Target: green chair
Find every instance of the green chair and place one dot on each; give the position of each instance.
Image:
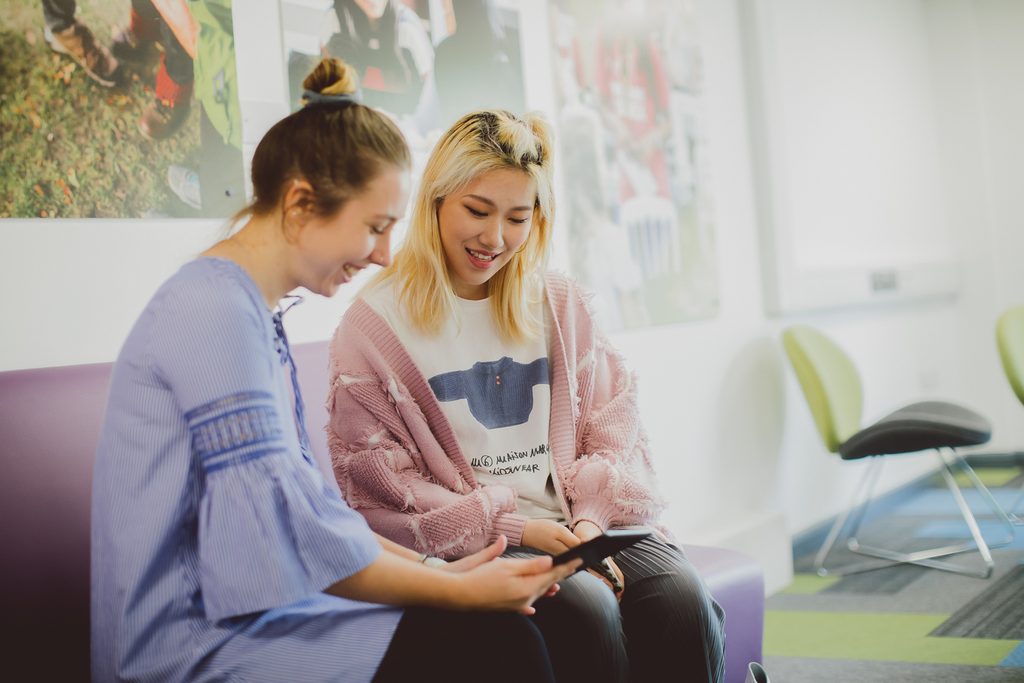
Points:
(1010, 340)
(832, 387)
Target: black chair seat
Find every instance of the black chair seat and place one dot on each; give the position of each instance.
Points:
(918, 427)
(832, 388)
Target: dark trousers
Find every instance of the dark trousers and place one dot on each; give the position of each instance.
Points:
(666, 628)
(59, 14)
(465, 647)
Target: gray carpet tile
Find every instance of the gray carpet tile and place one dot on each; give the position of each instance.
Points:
(895, 532)
(998, 612)
(880, 581)
(807, 670)
(992, 608)
(932, 592)
(944, 593)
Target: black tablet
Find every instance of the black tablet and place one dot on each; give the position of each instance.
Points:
(605, 545)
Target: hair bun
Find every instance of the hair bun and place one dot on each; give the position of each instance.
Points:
(332, 77)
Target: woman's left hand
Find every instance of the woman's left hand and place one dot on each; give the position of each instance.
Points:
(586, 530)
(478, 558)
(464, 564)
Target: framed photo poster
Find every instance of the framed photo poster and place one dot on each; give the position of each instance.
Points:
(425, 63)
(635, 196)
(119, 109)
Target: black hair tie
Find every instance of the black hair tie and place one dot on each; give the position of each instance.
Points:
(311, 97)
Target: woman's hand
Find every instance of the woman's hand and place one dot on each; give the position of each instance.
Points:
(586, 530)
(478, 558)
(481, 581)
(548, 536)
(511, 584)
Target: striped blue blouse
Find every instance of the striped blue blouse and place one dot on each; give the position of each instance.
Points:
(213, 533)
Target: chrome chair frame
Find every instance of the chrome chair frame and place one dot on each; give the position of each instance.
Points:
(924, 558)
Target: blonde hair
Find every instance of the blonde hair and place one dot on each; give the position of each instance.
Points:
(479, 142)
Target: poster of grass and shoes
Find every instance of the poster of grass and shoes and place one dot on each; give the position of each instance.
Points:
(119, 109)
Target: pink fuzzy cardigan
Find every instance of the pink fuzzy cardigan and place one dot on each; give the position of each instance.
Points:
(398, 462)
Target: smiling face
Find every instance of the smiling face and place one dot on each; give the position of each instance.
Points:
(332, 249)
(482, 225)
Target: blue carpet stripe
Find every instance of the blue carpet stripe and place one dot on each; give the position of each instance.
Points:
(992, 530)
(1015, 658)
(940, 502)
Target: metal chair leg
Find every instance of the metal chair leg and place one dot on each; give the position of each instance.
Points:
(1016, 518)
(1009, 519)
(926, 558)
(859, 503)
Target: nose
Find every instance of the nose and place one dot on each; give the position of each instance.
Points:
(493, 237)
(381, 254)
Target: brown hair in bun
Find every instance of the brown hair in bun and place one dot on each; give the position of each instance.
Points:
(337, 146)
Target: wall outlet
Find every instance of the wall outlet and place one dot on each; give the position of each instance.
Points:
(884, 280)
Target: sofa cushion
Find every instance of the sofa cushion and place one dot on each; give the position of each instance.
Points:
(49, 426)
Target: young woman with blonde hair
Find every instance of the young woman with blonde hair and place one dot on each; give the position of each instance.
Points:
(219, 552)
(473, 397)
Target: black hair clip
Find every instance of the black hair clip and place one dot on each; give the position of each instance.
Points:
(311, 97)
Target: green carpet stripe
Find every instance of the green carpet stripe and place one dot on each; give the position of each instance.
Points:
(809, 584)
(990, 476)
(879, 637)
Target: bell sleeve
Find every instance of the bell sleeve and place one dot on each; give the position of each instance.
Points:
(270, 530)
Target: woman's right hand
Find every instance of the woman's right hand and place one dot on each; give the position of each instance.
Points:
(478, 582)
(548, 536)
(511, 584)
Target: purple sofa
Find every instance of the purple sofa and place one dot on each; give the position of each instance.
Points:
(49, 425)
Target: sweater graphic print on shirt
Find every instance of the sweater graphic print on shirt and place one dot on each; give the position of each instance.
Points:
(496, 395)
(415, 484)
(500, 392)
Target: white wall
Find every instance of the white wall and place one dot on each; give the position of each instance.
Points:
(981, 104)
(734, 442)
(846, 153)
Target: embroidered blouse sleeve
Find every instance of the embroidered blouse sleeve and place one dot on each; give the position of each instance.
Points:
(271, 531)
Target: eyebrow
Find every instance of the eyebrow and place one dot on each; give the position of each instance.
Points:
(487, 201)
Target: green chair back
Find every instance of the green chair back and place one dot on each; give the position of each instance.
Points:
(1010, 339)
(829, 381)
